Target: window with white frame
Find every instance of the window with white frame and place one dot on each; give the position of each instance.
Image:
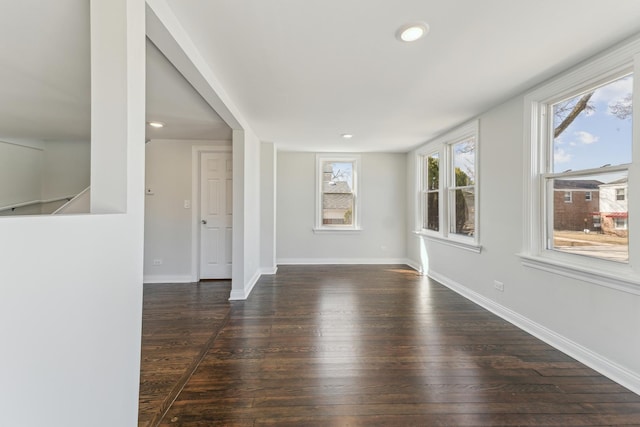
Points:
(568, 197)
(579, 133)
(448, 187)
(621, 223)
(337, 206)
(431, 191)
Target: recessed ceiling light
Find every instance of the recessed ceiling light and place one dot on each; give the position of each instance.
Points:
(412, 32)
(347, 135)
(156, 124)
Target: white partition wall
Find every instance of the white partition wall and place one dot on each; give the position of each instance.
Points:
(71, 286)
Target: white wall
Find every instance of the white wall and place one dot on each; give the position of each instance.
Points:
(246, 213)
(71, 286)
(42, 171)
(164, 30)
(168, 225)
(596, 324)
(268, 167)
(20, 173)
(383, 213)
(66, 168)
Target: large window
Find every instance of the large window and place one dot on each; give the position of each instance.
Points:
(447, 196)
(580, 141)
(590, 148)
(337, 192)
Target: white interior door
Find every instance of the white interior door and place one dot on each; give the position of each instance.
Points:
(215, 215)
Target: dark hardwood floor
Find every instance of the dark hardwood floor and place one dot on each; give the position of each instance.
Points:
(179, 324)
(360, 346)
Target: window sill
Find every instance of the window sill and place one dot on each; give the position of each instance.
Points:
(468, 246)
(622, 280)
(336, 230)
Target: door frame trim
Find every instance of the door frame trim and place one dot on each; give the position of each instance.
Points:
(196, 154)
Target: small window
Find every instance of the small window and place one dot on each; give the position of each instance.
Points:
(587, 196)
(619, 193)
(596, 222)
(431, 191)
(620, 223)
(337, 185)
(567, 197)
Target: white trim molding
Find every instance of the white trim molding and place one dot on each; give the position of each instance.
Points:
(241, 295)
(415, 265)
(268, 271)
(196, 152)
(629, 283)
(450, 241)
(342, 261)
(606, 367)
(166, 278)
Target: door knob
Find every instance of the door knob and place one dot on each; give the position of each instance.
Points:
(204, 221)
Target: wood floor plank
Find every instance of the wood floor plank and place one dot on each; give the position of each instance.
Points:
(370, 346)
(179, 321)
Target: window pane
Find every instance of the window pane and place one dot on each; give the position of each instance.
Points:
(567, 197)
(594, 129)
(337, 193)
(433, 172)
(464, 162)
(592, 226)
(463, 211)
(432, 218)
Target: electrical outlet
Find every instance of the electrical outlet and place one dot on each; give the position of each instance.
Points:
(498, 285)
(157, 262)
(187, 204)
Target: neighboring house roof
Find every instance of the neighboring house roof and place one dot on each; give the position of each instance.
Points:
(337, 201)
(624, 180)
(337, 195)
(576, 184)
(336, 187)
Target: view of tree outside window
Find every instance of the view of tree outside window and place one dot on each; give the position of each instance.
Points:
(462, 192)
(591, 151)
(431, 192)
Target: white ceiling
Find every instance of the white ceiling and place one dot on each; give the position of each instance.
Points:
(174, 102)
(304, 72)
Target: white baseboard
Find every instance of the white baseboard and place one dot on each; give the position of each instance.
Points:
(606, 367)
(415, 265)
(167, 279)
(243, 294)
(346, 261)
(268, 270)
